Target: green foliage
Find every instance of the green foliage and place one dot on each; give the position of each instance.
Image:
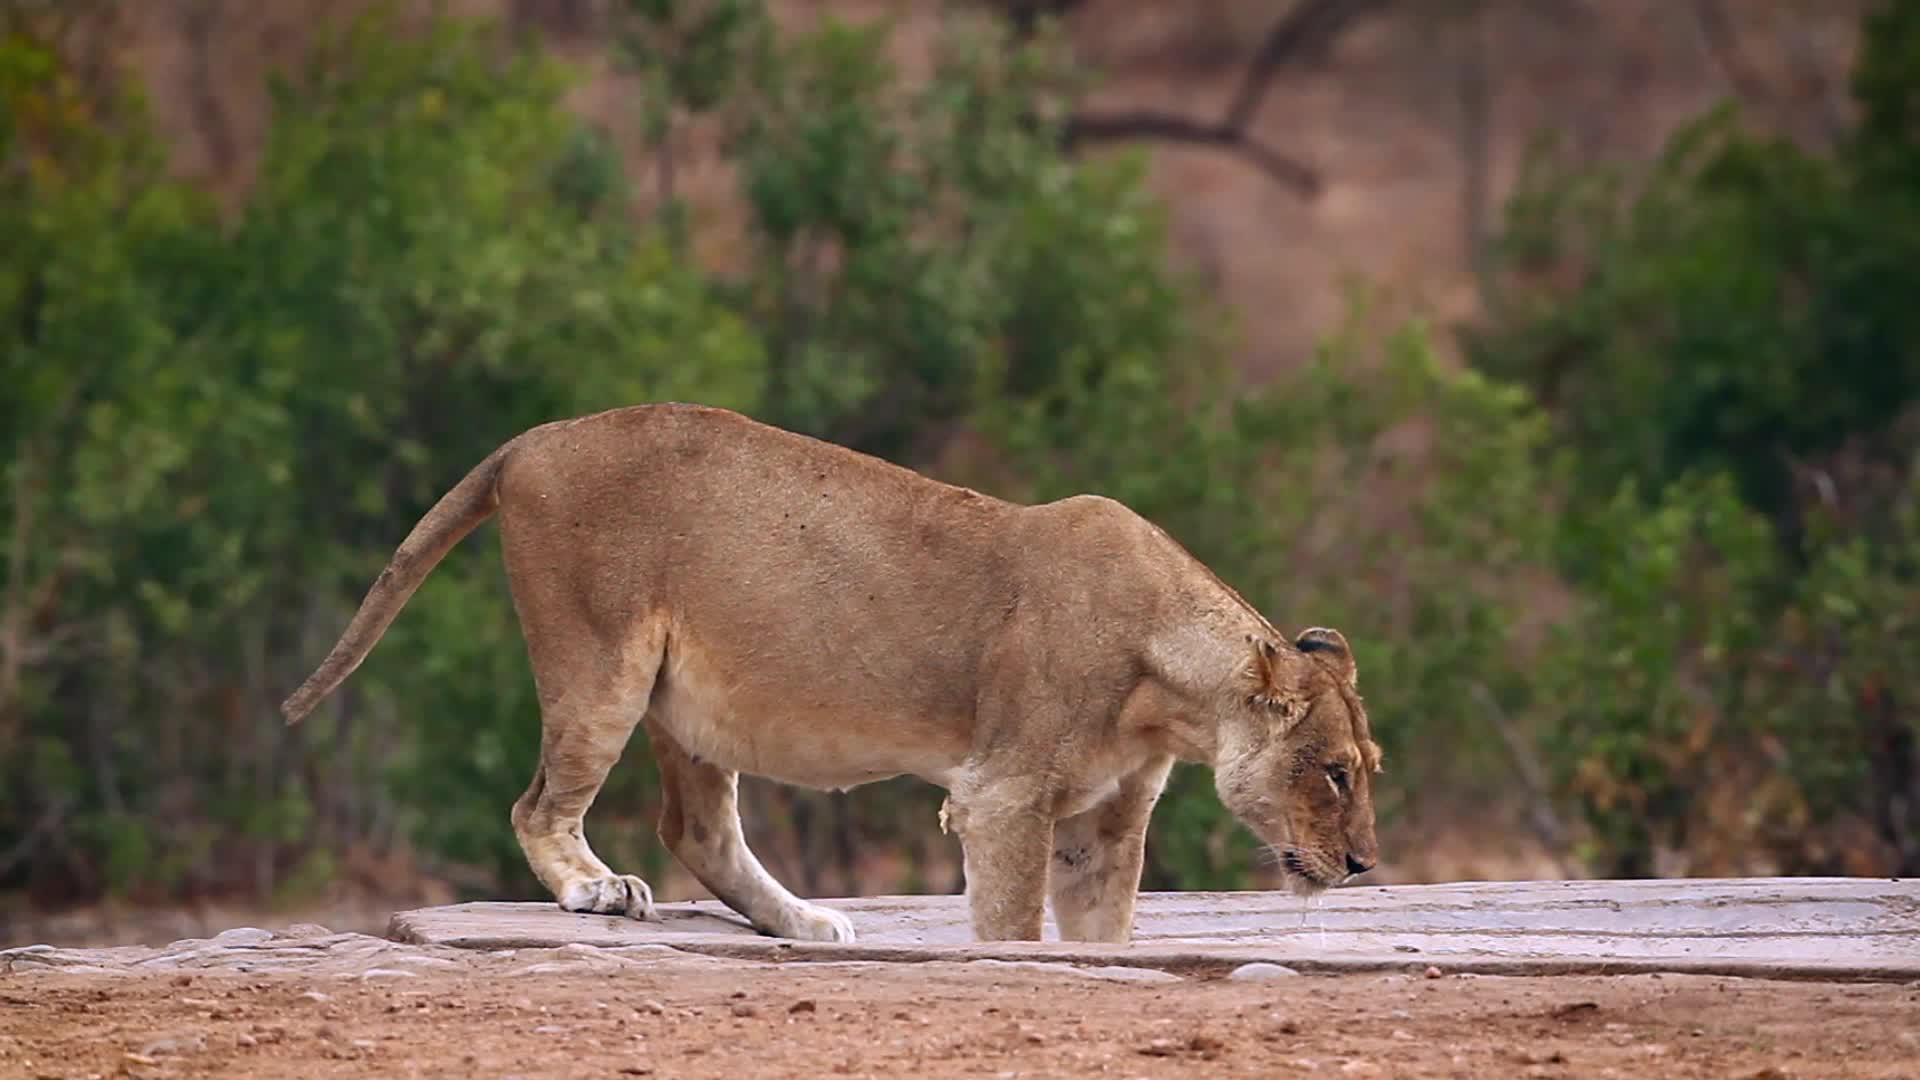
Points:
(219, 422)
(1729, 349)
(1646, 679)
(1732, 311)
(411, 281)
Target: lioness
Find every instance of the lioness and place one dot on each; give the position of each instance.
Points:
(772, 604)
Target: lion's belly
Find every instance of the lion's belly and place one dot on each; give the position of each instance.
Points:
(808, 733)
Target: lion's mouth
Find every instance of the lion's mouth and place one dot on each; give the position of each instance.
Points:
(1302, 876)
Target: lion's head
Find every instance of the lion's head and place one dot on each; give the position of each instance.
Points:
(1296, 759)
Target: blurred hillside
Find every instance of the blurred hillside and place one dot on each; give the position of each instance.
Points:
(1413, 117)
(1561, 353)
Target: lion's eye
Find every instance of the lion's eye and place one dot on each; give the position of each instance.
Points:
(1338, 774)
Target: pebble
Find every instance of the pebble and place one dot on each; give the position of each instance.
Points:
(651, 1007)
(1433, 972)
(1161, 1047)
(804, 1005)
(438, 963)
(1108, 972)
(744, 1008)
(242, 935)
(183, 1045)
(315, 995)
(1261, 971)
(553, 967)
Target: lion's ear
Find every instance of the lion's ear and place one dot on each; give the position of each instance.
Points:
(1330, 646)
(1270, 694)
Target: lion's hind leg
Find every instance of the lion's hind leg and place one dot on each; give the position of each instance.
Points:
(700, 824)
(588, 712)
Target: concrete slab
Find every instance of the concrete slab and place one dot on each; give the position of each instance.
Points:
(1824, 928)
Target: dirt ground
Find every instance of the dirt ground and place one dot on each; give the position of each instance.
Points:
(938, 1020)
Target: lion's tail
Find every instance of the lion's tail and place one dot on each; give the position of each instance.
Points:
(460, 511)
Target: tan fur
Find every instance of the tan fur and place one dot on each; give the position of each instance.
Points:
(772, 604)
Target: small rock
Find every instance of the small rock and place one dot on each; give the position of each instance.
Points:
(1161, 1047)
(242, 935)
(1399, 1014)
(1261, 971)
(244, 1039)
(182, 1045)
(804, 1005)
(651, 1007)
(1358, 1067)
(743, 1008)
(439, 963)
(389, 973)
(1769, 1073)
(1032, 1036)
(1122, 973)
(552, 967)
(1402, 1034)
(902, 1014)
(315, 995)
(1432, 972)
(550, 1029)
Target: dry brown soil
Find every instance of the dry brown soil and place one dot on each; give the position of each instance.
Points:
(937, 1020)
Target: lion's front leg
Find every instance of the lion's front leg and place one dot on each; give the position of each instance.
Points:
(1097, 858)
(1005, 838)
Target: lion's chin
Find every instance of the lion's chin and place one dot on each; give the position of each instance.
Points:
(1298, 876)
(1304, 887)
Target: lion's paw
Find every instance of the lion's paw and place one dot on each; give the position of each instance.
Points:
(622, 895)
(811, 922)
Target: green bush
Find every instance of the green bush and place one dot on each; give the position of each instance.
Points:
(1686, 423)
(1729, 350)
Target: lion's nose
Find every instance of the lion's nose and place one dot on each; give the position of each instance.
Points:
(1357, 866)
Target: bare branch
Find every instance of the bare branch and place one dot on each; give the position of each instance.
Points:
(197, 21)
(1026, 14)
(1147, 124)
(1311, 24)
(1724, 43)
(1307, 26)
